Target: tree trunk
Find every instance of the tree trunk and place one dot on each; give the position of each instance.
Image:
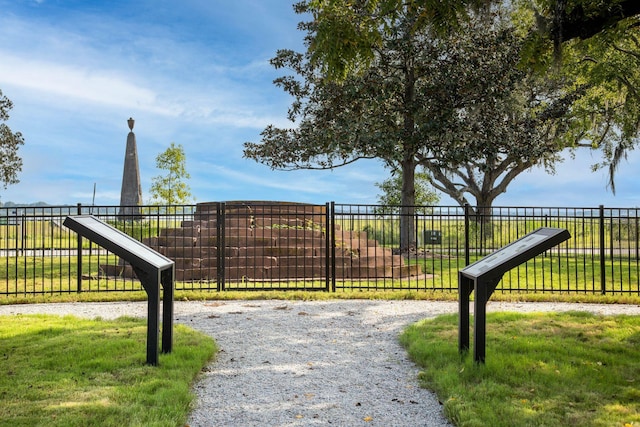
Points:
(407, 208)
(483, 218)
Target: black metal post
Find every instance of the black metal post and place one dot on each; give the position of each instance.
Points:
(327, 239)
(612, 234)
(167, 280)
(151, 284)
(637, 236)
(221, 250)
(603, 286)
(332, 244)
(467, 255)
(153, 321)
(480, 322)
(79, 256)
(465, 287)
(483, 291)
(23, 232)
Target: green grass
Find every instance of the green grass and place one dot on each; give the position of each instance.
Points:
(47, 234)
(52, 267)
(618, 232)
(66, 371)
(540, 274)
(568, 369)
(549, 274)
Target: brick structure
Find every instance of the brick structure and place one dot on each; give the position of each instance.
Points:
(272, 241)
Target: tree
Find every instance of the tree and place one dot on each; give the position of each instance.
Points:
(10, 142)
(361, 24)
(171, 189)
(455, 104)
(608, 117)
(348, 33)
(596, 42)
(392, 191)
(372, 115)
(561, 20)
(505, 119)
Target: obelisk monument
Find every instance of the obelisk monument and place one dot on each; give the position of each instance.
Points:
(131, 193)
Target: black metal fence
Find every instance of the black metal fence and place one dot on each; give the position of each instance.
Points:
(331, 247)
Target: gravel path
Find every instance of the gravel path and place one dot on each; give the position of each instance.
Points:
(296, 363)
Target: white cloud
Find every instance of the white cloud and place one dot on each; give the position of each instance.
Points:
(101, 87)
(115, 90)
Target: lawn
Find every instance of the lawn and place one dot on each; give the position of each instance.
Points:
(66, 371)
(562, 369)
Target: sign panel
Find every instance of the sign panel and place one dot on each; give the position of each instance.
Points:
(152, 268)
(116, 241)
(536, 241)
(483, 276)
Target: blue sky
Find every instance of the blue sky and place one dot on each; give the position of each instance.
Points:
(196, 73)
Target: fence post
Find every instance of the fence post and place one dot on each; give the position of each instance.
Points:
(612, 234)
(327, 247)
(158, 222)
(23, 232)
(466, 235)
(637, 237)
(332, 244)
(79, 255)
(603, 287)
(221, 252)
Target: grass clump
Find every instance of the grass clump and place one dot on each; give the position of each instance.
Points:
(66, 371)
(574, 369)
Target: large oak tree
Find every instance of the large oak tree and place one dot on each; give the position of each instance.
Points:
(598, 38)
(360, 24)
(454, 103)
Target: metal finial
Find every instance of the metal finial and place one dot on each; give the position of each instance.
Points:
(131, 123)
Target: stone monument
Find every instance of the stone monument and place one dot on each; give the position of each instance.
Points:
(131, 193)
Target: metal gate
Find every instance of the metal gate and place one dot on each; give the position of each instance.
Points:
(260, 245)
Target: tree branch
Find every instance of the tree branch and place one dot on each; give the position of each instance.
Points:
(578, 24)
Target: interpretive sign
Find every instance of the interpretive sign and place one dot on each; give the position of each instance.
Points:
(152, 269)
(484, 275)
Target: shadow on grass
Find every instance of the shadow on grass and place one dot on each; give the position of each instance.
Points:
(571, 368)
(66, 371)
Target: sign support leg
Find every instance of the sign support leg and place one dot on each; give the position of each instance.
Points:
(479, 323)
(153, 326)
(167, 310)
(465, 286)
